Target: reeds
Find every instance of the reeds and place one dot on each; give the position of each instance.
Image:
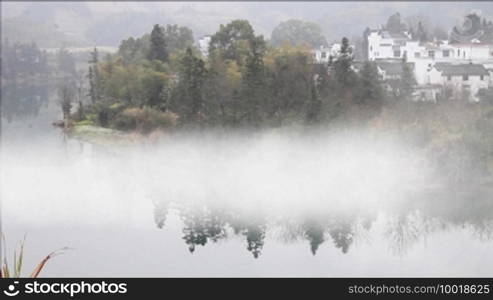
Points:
(15, 271)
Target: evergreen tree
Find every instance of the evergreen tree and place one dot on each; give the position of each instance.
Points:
(190, 100)
(421, 33)
(343, 72)
(314, 105)
(158, 49)
(370, 92)
(94, 77)
(253, 81)
(407, 81)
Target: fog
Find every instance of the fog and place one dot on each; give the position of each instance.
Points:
(370, 193)
(393, 187)
(270, 172)
(107, 23)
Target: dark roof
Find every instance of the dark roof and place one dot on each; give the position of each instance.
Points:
(462, 69)
(393, 68)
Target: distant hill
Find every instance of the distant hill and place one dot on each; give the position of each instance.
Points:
(107, 23)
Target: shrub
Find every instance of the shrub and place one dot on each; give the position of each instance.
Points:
(145, 119)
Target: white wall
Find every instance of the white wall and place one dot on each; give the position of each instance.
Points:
(472, 51)
(474, 84)
(378, 47)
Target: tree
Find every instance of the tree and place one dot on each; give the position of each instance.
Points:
(178, 38)
(314, 107)
(65, 62)
(407, 81)
(232, 40)
(421, 33)
(192, 75)
(370, 91)
(66, 95)
(158, 48)
(290, 80)
(132, 50)
(253, 83)
(94, 77)
(394, 24)
(343, 73)
(298, 33)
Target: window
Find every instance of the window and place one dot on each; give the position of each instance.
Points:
(449, 78)
(371, 48)
(481, 77)
(458, 52)
(431, 54)
(417, 54)
(446, 53)
(465, 77)
(324, 54)
(397, 53)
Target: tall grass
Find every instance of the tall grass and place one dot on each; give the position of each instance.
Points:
(15, 272)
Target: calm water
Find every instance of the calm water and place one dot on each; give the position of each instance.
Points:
(266, 205)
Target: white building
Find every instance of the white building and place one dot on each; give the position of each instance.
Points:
(383, 44)
(434, 61)
(204, 43)
(389, 70)
(460, 79)
(324, 54)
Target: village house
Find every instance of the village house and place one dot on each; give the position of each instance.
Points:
(326, 54)
(461, 67)
(391, 70)
(460, 79)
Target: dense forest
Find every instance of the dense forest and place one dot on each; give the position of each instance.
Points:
(243, 82)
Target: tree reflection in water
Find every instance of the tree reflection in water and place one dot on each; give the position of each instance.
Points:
(401, 229)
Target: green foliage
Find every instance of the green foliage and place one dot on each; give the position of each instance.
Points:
(18, 260)
(292, 86)
(370, 89)
(253, 92)
(343, 73)
(94, 77)
(66, 94)
(231, 41)
(145, 119)
(158, 48)
(188, 99)
(178, 38)
(132, 50)
(298, 33)
(407, 81)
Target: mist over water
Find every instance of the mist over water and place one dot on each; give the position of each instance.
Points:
(267, 173)
(297, 201)
(400, 189)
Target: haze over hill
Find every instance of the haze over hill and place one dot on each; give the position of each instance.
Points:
(52, 24)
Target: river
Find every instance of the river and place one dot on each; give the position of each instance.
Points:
(263, 205)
